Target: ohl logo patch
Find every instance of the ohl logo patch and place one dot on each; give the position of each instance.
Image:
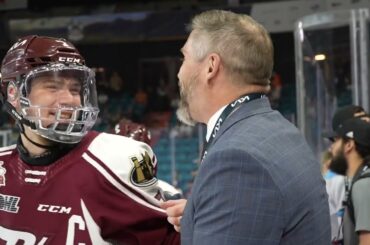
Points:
(143, 171)
(2, 174)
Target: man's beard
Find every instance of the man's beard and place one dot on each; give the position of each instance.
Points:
(186, 94)
(183, 113)
(339, 164)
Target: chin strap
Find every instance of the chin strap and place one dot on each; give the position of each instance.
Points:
(47, 147)
(21, 121)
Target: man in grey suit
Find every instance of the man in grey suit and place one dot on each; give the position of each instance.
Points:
(258, 182)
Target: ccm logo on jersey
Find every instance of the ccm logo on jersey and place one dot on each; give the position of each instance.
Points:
(9, 203)
(54, 209)
(69, 59)
(2, 174)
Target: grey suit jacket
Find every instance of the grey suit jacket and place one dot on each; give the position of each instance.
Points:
(259, 184)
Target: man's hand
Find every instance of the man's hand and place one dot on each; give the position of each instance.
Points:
(174, 210)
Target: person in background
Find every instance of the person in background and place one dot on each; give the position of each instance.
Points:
(351, 153)
(258, 181)
(276, 89)
(325, 163)
(335, 181)
(136, 131)
(62, 182)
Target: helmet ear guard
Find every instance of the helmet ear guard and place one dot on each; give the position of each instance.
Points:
(10, 108)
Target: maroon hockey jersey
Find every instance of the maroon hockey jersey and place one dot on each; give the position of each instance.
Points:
(99, 193)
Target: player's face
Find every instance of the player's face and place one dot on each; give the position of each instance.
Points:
(50, 93)
(189, 79)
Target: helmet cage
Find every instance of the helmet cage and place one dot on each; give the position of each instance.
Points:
(64, 123)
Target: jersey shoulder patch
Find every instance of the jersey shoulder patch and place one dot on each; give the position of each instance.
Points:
(132, 161)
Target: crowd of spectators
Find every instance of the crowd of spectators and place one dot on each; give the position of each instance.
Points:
(116, 100)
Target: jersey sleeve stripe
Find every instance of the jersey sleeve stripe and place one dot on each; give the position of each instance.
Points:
(121, 186)
(7, 148)
(5, 153)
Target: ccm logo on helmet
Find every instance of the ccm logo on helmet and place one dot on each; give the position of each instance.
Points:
(69, 60)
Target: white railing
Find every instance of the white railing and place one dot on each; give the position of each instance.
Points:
(5, 136)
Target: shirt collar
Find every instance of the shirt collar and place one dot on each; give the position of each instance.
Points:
(212, 122)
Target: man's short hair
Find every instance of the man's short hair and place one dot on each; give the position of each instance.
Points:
(244, 45)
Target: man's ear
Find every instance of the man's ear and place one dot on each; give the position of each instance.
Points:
(349, 146)
(213, 65)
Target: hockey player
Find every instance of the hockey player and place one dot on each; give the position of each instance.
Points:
(63, 183)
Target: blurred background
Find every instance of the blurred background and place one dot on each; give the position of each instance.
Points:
(321, 62)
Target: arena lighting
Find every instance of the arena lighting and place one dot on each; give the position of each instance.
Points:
(320, 57)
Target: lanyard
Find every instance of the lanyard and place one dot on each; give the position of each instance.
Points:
(227, 111)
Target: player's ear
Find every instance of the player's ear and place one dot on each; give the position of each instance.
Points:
(12, 94)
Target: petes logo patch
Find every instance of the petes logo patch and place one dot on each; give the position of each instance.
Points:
(143, 172)
(2, 174)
